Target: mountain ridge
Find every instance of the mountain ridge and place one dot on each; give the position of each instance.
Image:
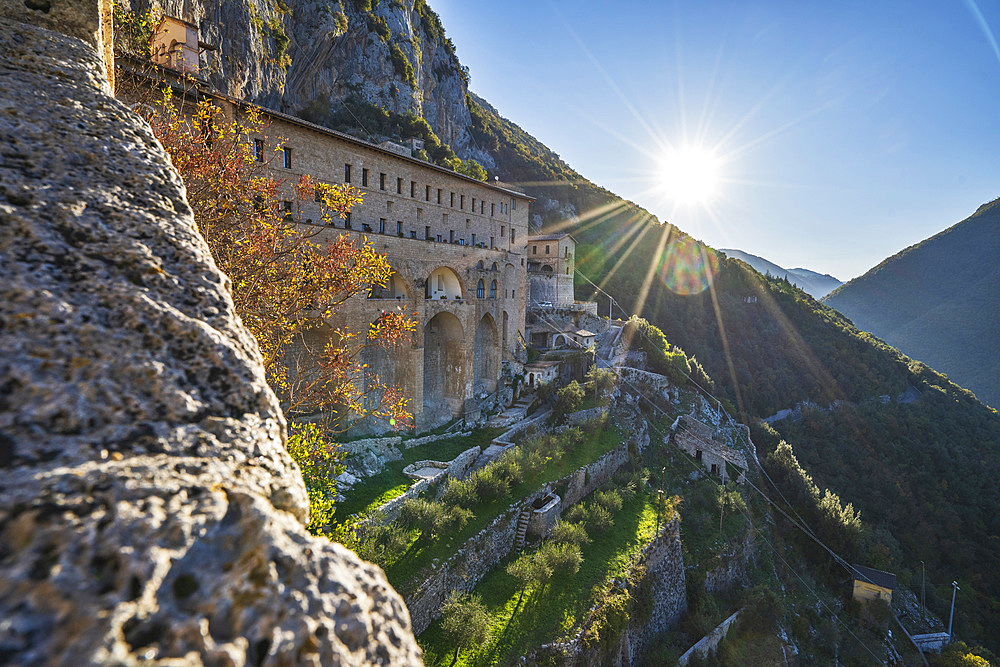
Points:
(812, 282)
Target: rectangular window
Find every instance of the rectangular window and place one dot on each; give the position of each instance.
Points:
(347, 173)
(286, 206)
(399, 186)
(534, 250)
(399, 227)
(461, 203)
(381, 181)
(452, 200)
(286, 157)
(473, 204)
(258, 150)
(347, 220)
(493, 209)
(473, 239)
(364, 177)
(413, 188)
(427, 193)
(381, 226)
(512, 230)
(413, 233)
(482, 206)
(438, 238)
(427, 232)
(451, 236)
(514, 204)
(503, 231)
(439, 195)
(493, 242)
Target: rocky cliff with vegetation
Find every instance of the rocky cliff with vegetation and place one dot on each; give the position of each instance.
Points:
(148, 509)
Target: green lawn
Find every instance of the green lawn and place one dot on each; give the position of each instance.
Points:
(558, 610)
(379, 489)
(407, 572)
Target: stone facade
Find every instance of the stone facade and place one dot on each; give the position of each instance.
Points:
(697, 440)
(456, 245)
(551, 259)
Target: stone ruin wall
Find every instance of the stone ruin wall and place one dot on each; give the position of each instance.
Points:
(148, 508)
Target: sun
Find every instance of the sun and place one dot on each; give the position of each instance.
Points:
(689, 175)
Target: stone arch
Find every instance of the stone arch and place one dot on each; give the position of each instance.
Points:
(396, 288)
(559, 340)
(531, 380)
(443, 283)
(481, 289)
(383, 367)
(546, 268)
(444, 368)
(485, 361)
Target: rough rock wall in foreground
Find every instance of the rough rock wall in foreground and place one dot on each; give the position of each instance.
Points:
(148, 509)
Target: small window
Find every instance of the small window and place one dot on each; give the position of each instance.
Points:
(427, 193)
(438, 238)
(413, 233)
(317, 195)
(399, 227)
(381, 181)
(493, 209)
(452, 200)
(399, 186)
(364, 178)
(286, 157)
(427, 232)
(347, 173)
(473, 239)
(439, 195)
(503, 230)
(451, 236)
(286, 206)
(481, 290)
(512, 235)
(461, 202)
(381, 226)
(347, 220)
(534, 250)
(473, 204)
(258, 150)
(546, 250)
(413, 189)
(493, 289)
(482, 206)
(493, 242)
(697, 455)
(514, 204)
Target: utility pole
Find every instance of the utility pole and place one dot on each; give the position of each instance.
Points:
(951, 617)
(923, 599)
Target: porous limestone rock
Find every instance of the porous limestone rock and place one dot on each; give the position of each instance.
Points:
(148, 509)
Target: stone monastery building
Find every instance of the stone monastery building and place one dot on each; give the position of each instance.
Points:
(457, 247)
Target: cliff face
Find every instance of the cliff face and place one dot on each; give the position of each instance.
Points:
(148, 508)
(293, 55)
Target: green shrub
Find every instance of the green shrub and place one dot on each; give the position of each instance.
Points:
(460, 492)
(568, 399)
(570, 533)
(610, 500)
(320, 463)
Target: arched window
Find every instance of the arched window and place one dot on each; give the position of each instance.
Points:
(493, 289)
(494, 267)
(479, 265)
(481, 289)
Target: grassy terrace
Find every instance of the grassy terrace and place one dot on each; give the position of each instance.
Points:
(412, 567)
(379, 489)
(558, 610)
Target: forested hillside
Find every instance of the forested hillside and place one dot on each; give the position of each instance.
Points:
(937, 301)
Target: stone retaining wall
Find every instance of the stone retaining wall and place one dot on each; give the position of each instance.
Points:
(733, 568)
(710, 641)
(485, 550)
(577, 418)
(664, 563)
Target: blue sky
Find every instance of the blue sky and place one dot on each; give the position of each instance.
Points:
(847, 131)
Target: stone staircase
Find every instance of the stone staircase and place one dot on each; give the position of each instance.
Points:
(514, 413)
(522, 529)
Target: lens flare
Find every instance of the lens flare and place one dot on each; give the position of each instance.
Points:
(687, 266)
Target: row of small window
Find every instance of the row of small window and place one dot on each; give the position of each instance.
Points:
(481, 290)
(534, 250)
(505, 208)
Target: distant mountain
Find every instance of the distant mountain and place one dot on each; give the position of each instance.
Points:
(939, 302)
(812, 283)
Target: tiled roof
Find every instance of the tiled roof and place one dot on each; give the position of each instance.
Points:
(549, 237)
(876, 577)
